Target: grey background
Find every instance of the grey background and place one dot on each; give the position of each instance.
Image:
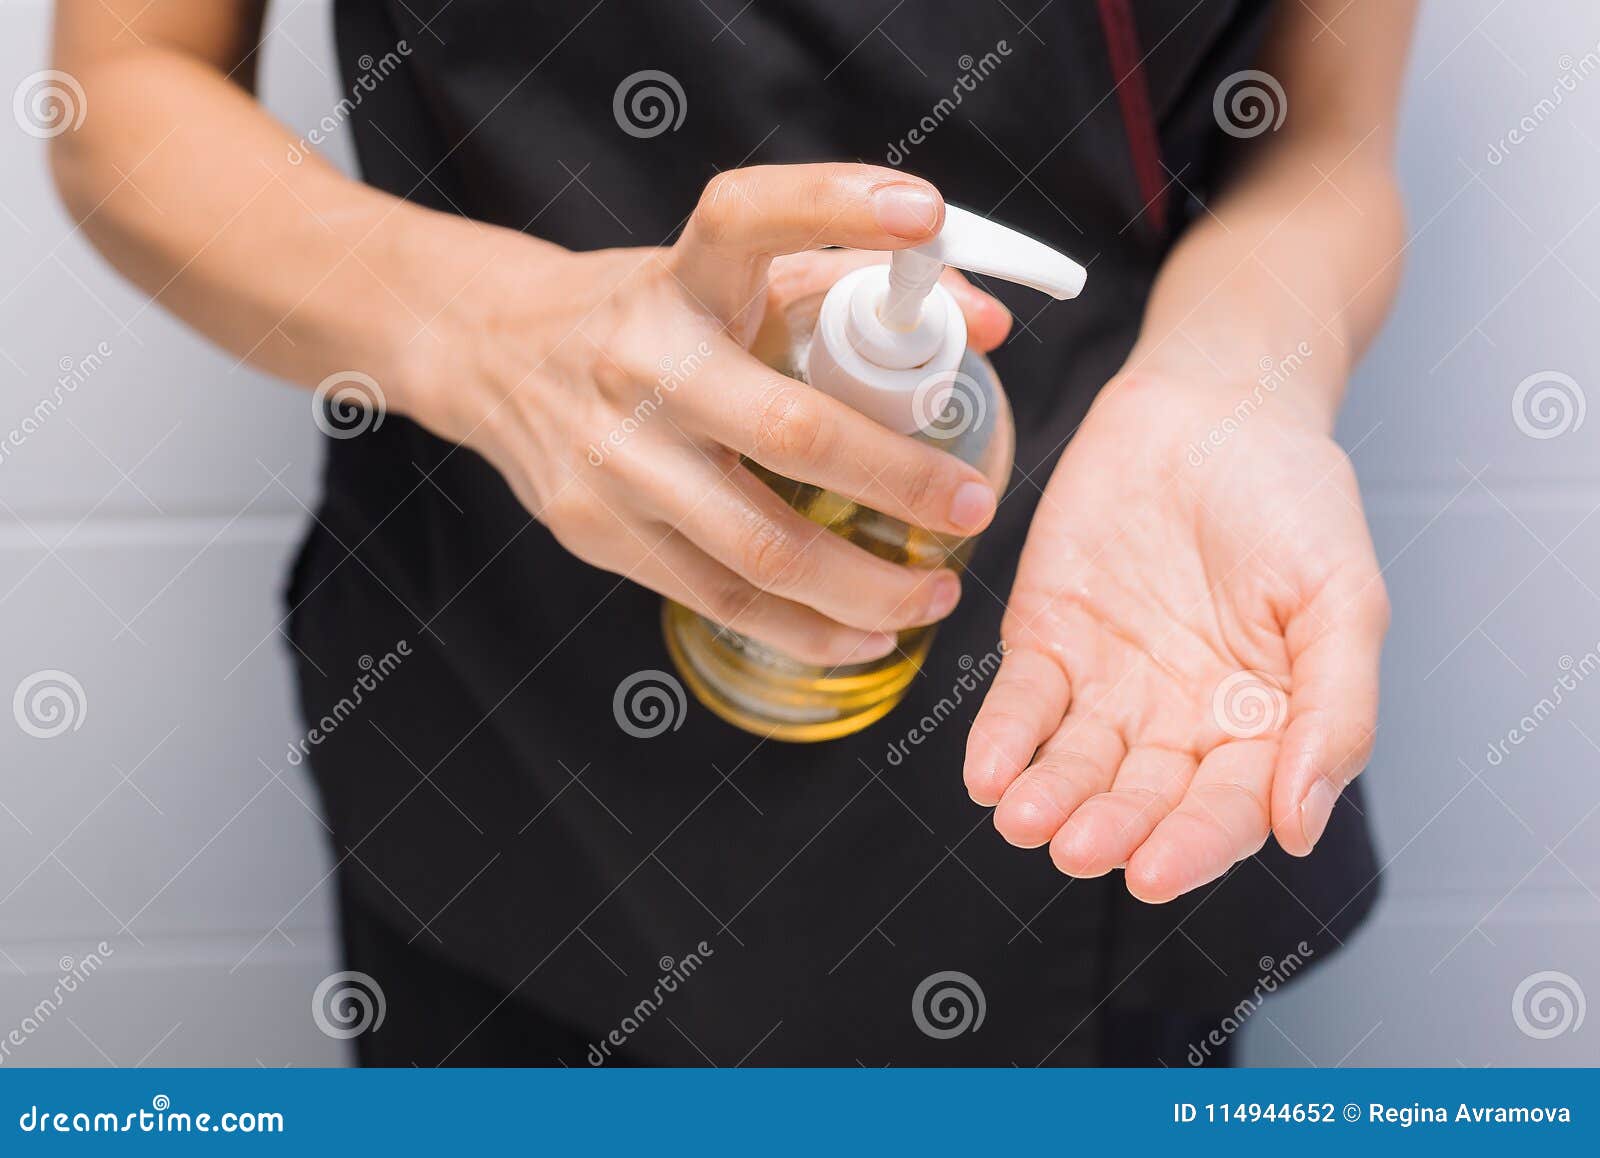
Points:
(144, 533)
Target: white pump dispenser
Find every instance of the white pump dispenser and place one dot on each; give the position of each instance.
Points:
(889, 341)
(889, 338)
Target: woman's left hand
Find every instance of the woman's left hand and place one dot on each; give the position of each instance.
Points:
(1192, 642)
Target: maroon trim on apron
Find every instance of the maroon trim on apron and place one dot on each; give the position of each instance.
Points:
(1138, 118)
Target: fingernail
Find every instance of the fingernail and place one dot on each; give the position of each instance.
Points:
(1316, 808)
(875, 646)
(946, 594)
(906, 210)
(972, 506)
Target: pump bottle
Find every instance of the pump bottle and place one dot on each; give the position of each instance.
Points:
(891, 342)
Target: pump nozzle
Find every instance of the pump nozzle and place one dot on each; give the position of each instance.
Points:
(883, 333)
(976, 245)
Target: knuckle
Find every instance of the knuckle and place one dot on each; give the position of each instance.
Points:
(731, 602)
(717, 212)
(788, 427)
(770, 558)
(923, 481)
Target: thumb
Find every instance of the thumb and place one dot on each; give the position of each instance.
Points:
(1335, 644)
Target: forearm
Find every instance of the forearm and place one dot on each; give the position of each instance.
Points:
(1297, 264)
(1301, 251)
(186, 184)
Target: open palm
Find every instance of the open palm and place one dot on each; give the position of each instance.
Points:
(1191, 645)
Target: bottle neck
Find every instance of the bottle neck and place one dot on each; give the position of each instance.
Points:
(912, 276)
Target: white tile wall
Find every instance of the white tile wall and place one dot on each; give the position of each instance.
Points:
(1492, 556)
(161, 465)
(143, 544)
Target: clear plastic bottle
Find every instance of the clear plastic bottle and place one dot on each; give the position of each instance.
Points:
(892, 343)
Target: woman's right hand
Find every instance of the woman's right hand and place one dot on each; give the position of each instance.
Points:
(615, 392)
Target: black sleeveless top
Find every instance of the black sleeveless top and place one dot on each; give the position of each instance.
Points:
(483, 795)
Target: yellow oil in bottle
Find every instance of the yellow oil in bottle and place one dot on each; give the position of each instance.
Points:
(755, 687)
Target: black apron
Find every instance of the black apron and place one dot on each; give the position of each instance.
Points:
(483, 795)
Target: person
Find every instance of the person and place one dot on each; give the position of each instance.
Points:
(563, 204)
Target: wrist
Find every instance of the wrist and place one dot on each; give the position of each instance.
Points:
(1301, 384)
(424, 265)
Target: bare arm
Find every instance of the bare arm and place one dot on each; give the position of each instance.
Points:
(531, 355)
(1196, 623)
(1306, 243)
(186, 184)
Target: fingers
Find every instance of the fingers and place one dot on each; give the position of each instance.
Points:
(798, 275)
(681, 571)
(1024, 705)
(988, 322)
(747, 216)
(746, 527)
(1333, 711)
(1223, 818)
(803, 434)
(1106, 829)
(1077, 762)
